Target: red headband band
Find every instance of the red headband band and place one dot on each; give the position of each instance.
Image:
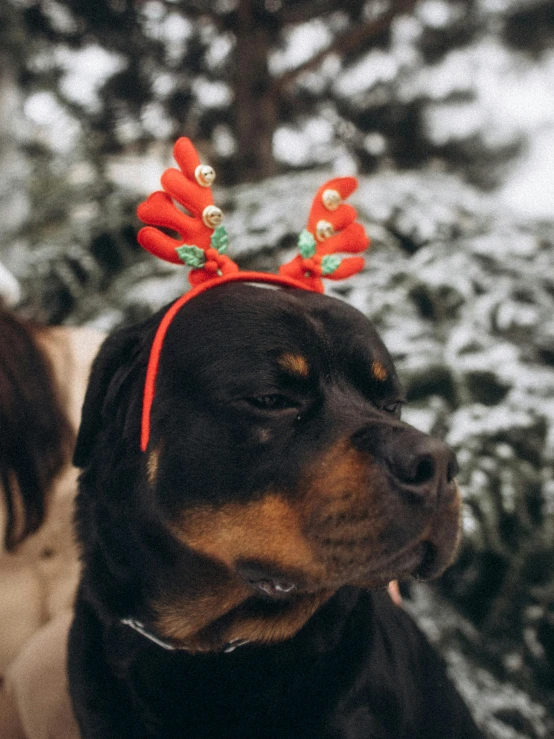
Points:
(332, 228)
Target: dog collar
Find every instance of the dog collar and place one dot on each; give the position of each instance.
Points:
(139, 627)
(202, 244)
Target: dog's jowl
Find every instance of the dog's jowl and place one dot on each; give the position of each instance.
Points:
(235, 569)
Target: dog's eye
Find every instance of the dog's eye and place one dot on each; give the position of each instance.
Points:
(393, 408)
(272, 402)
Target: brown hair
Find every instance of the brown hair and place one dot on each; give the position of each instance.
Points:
(35, 435)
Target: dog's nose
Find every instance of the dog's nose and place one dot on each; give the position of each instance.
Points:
(423, 466)
(426, 467)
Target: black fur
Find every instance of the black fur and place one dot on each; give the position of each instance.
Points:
(233, 433)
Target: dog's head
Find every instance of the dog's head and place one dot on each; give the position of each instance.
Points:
(277, 469)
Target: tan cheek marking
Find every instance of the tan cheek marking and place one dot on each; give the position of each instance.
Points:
(271, 529)
(266, 529)
(265, 629)
(296, 364)
(178, 617)
(201, 630)
(152, 464)
(341, 475)
(378, 370)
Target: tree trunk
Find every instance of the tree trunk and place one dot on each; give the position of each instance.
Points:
(255, 109)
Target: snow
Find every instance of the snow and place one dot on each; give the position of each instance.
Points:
(51, 123)
(140, 174)
(224, 141)
(168, 27)
(513, 101)
(211, 93)
(376, 66)
(219, 51)
(478, 420)
(155, 120)
(298, 146)
(435, 13)
(529, 186)
(301, 43)
(59, 16)
(85, 71)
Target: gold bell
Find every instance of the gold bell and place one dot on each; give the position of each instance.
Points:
(212, 216)
(205, 175)
(331, 199)
(323, 230)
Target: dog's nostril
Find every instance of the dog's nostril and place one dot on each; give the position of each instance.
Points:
(417, 470)
(425, 466)
(424, 471)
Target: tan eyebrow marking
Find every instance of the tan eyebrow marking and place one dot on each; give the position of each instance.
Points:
(296, 364)
(378, 370)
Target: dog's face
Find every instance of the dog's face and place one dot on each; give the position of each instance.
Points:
(280, 469)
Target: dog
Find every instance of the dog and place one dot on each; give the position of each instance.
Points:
(235, 571)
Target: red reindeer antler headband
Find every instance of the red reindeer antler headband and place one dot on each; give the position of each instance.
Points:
(331, 229)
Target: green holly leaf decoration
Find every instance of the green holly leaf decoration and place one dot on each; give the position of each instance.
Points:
(329, 264)
(306, 244)
(192, 256)
(220, 239)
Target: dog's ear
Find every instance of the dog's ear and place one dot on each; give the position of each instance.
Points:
(117, 361)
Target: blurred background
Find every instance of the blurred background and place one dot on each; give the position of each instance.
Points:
(446, 112)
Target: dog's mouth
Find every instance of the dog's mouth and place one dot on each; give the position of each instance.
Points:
(266, 584)
(419, 562)
(275, 589)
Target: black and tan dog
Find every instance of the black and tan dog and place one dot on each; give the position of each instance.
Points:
(234, 572)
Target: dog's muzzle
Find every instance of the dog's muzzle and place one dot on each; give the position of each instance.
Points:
(423, 468)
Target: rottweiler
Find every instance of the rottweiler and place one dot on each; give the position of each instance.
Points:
(235, 572)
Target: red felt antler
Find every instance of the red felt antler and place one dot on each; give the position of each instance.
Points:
(332, 228)
(203, 241)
